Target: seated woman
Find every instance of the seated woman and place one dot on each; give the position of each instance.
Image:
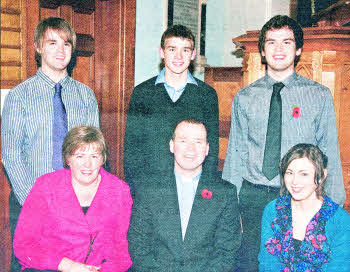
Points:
(76, 218)
(304, 230)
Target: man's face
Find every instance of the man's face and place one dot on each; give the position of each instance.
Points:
(55, 52)
(190, 147)
(280, 52)
(177, 55)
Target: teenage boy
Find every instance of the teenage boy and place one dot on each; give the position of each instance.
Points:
(186, 218)
(38, 113)
(268, 117)
(159, 103)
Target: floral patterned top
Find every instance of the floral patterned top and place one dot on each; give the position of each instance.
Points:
(314, 250)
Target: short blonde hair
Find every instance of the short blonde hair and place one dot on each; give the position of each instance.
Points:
(80, 136)
(54, 23)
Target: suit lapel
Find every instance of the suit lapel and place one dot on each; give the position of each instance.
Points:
(199, 204)
(170, 204)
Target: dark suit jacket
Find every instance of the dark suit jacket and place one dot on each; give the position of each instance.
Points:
(213, 233)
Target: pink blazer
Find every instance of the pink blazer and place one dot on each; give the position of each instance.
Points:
(52, 224)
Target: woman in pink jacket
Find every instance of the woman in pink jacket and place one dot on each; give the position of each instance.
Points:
(77, 218)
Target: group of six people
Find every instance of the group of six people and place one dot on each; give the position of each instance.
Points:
(175, 212)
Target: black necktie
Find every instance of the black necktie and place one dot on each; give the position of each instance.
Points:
(272, 154)
(60, 128)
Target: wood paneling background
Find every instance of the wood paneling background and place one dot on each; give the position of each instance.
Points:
(12, 49)
(227, 81)
(104, 62)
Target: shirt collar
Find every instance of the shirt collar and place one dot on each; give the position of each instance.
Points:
(194, 179)
(161, 78)
(288, 81)
(49, 81)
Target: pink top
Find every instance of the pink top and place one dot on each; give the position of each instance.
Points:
(52, 224)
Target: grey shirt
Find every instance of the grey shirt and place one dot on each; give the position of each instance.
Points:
(315, 124)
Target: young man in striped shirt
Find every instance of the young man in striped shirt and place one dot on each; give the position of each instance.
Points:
(29, 124)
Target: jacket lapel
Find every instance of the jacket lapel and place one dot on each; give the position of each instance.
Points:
(199, 207)
(170, 205)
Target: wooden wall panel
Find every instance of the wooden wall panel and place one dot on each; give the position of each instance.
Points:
(10, 73)
(84, 71)
(346, 176)
(9, 55)
(12, 59)
(10, 4)
(10, 20)
(45, 13)
(82, 23)
(114, 71)
(227, 81)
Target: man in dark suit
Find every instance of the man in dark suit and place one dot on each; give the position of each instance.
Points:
(186, 219)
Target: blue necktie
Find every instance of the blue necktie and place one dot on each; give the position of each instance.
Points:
(60, 128)
(272, 154)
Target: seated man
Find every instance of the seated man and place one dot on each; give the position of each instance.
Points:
(186, 219)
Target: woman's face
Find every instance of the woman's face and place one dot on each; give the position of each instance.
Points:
(85, 164)
(300, 179)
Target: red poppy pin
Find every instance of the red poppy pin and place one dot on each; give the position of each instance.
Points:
(296, 112)
(206, 194)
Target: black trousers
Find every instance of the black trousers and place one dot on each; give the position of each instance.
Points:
(252, 201)
(14, 210)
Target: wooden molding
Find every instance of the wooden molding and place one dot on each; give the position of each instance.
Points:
(85, 46)
(337, 14)
(79, 6)
(314, 37)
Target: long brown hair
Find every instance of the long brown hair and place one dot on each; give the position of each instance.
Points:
(315, 156)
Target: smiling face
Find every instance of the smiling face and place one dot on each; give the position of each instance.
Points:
(280, 52)
(55, 53)
(177, 55)
(190, 147)
(299, 179)
(85, 164)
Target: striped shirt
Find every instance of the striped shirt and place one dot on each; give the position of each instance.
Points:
(307, 117)
(26, 129)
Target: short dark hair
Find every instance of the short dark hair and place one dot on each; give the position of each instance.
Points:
(54, 23)
(80, 136)
(179, 31)
(190, 121)
(278, 22)
(314, 155)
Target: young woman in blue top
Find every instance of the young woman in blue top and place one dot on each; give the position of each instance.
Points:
(304, 230)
